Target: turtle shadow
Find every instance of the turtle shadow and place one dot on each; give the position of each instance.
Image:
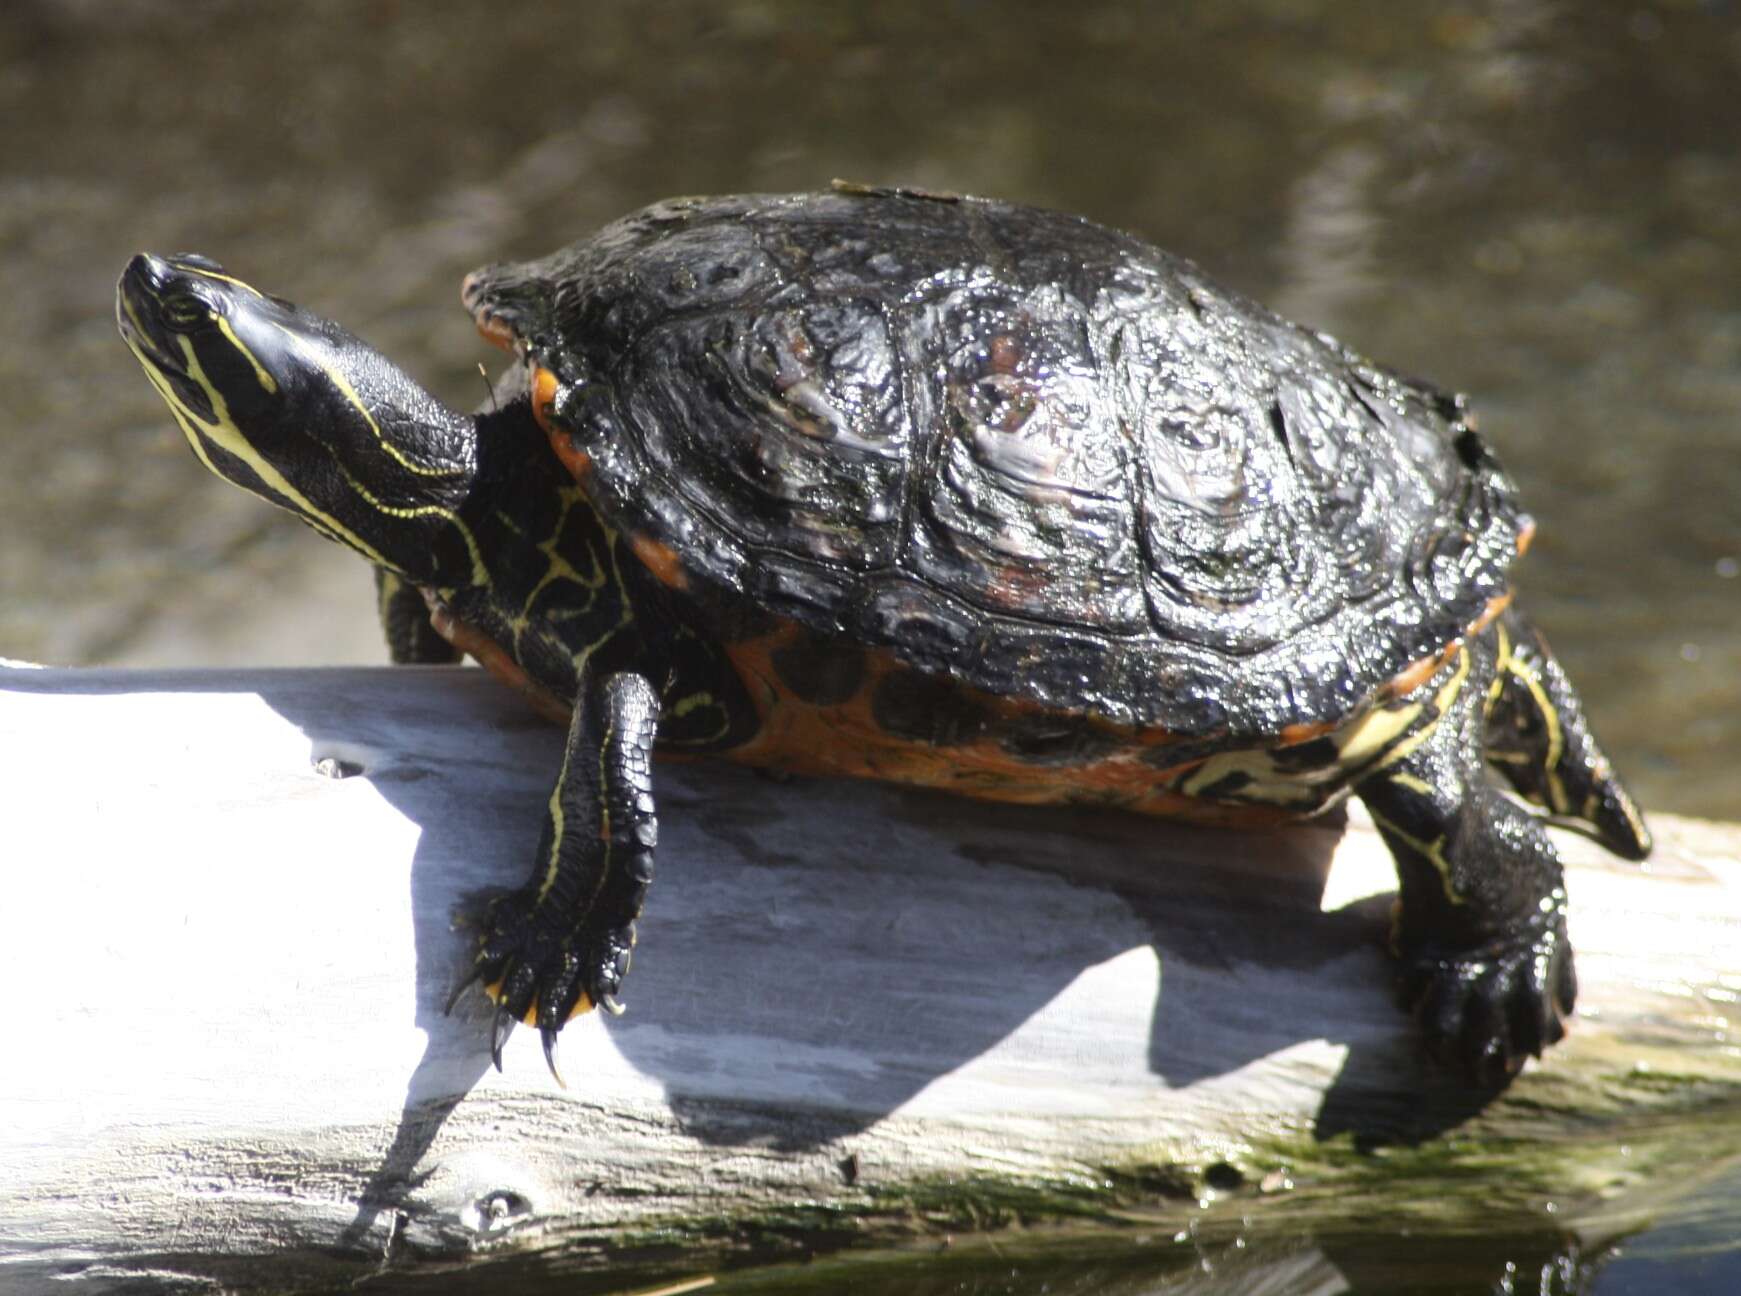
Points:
(947, 925)
(927, 972)
(1247, 961)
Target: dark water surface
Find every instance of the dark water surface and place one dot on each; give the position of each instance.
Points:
(1537, 203)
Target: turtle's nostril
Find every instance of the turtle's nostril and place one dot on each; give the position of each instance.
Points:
(148, 271)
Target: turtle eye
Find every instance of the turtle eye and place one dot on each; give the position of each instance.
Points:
(184, 312)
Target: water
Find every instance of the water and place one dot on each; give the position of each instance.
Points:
(1537, 203)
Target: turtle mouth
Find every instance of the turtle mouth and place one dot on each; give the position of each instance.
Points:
(146, 302)
(138, 313)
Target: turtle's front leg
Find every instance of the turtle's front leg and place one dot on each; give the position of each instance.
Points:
(1481, 932)
(560, 944)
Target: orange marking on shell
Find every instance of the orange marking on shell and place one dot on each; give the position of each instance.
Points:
(1412, 676)
(545, 385)
(1299, 733)
(1495, 605)
(578, 462)
(847, 740)
(544, 388)
(1417, 673)
(660, 559)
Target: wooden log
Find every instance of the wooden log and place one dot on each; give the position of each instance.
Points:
(855, 1009)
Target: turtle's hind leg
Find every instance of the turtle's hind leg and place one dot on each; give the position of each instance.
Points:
(1538, 738)
(1481, 927)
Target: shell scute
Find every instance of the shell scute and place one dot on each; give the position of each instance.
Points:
(787, 423)
(1027, 508)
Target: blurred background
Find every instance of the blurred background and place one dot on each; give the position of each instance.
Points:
(1538, 203)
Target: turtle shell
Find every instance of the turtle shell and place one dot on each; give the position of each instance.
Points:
(1012, 446)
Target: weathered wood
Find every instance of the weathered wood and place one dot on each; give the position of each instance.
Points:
(225, 1036)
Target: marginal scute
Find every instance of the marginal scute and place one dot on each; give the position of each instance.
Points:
(1013, 446)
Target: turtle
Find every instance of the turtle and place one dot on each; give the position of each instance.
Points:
(944, 491)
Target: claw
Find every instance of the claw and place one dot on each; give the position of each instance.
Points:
(1533, 1013)
(611, 1004)
(549, 1035)
(499, 1032)
(1566, 989)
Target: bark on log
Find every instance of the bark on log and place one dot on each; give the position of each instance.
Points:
(854, 1008)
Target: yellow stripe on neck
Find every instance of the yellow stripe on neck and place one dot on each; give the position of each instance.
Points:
(223, 433)
(344, 387)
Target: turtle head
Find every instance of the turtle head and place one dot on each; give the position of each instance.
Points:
(295, 409)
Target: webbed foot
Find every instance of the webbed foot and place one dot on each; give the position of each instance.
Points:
(538, 974)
